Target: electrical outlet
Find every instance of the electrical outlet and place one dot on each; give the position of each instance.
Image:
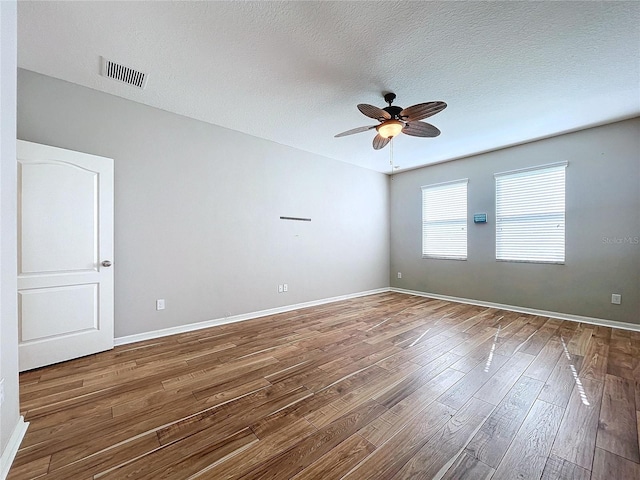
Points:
(399, 274)
(160, 304)
(280, 288)
(616, 298)
(1, 391)
(285, 287)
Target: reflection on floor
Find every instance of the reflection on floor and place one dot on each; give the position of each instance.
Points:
(574, 373)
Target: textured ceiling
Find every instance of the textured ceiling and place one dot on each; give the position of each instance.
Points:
(293, 72)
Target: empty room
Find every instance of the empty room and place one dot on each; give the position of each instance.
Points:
(320, 240)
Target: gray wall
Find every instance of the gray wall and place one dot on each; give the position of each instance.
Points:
(197, 210)
(9, 412)
(602, 206)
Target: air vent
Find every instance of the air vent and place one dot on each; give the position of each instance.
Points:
(124, 74)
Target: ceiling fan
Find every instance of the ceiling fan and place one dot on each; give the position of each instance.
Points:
(394, 120)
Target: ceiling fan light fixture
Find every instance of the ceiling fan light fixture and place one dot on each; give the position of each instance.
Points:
(390, 128)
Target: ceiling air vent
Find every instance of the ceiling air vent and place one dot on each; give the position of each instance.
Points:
(124, 74)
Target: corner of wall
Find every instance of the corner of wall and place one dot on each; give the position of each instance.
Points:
(9, 410)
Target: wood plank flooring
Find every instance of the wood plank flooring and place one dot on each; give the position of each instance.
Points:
(387, 386)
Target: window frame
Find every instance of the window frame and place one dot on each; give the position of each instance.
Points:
(440, 256)
(557, 165)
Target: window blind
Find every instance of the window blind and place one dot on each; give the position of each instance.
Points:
(444, 220)
(530, 214)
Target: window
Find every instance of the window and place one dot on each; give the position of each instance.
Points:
(530, 214)
(444, 220)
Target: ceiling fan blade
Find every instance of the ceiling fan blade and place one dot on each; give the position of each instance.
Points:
(355, 130)
(420, 129)
(421, 110)
(380, 142)
(374, 112)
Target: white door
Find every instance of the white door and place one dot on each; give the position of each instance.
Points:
(65, 250)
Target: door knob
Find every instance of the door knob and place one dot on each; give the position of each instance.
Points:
(106, 263)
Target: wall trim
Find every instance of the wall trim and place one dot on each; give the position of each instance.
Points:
(532, 311)
(138, 337)
(10, 452)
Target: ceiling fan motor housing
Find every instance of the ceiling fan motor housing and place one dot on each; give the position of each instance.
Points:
(393, 111)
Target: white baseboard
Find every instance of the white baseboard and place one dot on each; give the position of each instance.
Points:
(532, 311)
(12, 447)
(272, 311)
(237, 318)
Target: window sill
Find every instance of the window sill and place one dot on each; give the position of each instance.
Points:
(541, 262)
(438, 257)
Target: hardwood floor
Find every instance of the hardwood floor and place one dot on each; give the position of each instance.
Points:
(388, 386)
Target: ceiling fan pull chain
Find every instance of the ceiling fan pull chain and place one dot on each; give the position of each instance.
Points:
(391, 156)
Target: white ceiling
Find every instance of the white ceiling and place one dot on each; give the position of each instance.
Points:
(293, 72)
